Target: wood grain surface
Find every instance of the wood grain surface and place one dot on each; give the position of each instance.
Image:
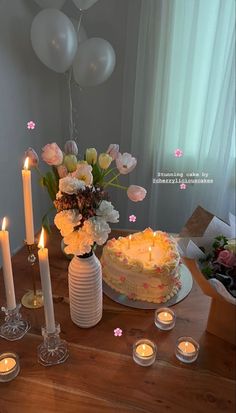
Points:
(100, 374)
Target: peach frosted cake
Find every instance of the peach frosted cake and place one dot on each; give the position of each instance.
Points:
(143, 266)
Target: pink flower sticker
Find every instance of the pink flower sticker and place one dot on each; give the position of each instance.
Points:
(183, 186)
(118, 332)
(30, 125)
(178, 153)
(132, 218)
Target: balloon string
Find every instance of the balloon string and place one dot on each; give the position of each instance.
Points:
(71, 124)
(70, 104)
(79, 22)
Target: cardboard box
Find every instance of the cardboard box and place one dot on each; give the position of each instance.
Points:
(222, 316)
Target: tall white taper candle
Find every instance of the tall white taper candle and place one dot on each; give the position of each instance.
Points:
(28, 207)
(46, 285)
(7, 267)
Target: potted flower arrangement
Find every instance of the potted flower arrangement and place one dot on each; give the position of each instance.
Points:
(78, 190)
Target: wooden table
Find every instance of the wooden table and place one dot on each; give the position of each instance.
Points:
(100, 375)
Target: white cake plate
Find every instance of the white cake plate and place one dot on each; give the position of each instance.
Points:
(186, 282)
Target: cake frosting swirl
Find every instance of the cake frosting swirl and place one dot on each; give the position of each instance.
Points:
(130, 268)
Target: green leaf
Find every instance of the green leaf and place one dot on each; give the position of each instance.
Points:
(97, 174)
(51, 185)
(46, 224)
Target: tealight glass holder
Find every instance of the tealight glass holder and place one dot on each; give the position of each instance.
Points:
(15, 327)
(53, 350)
(33, 298)
(164, 319)
(9, 366)
(187, 349)
(144, 352)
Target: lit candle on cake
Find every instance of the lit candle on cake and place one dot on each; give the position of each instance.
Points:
(150, 253)
(187, 349)
(129, 240)
(46, 285)
(154, 238)
(28, 207)
(164, 318)
(144, 352)
(7, 267)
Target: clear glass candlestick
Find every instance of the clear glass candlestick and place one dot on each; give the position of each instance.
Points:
(15, 327)
(33, 298)
(53, 350)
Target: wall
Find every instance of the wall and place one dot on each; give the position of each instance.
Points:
(28, 91)
(101, 115)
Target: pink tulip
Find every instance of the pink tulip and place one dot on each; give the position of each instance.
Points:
(125, 163)
(113, 150)
(62, 171)
(33, 157)
(136, 193)
(52, 154)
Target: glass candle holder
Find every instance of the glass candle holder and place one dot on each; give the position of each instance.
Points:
(164, 318)
(187, 349)
(53, 350)
(144, 352)
(9, 366)
(14, 327)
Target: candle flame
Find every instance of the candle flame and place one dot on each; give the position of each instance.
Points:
(26, 164)
(130, 237)
(155, 233)
(4, 224)
(150, 249)
(41, 239)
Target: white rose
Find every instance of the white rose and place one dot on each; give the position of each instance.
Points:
(107, 212)
(70, 185)
(84, 173)
(65, 221)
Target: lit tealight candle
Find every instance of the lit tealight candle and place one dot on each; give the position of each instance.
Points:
(144, 352)
(187, 349)
(9, 366)
(150, 253)
(129, 240)
(164, 318)
(154, 238)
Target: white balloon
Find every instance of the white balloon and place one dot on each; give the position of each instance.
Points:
(84, 4)
(50, 4)
(54, 39)
(94, 62)
(81, 34)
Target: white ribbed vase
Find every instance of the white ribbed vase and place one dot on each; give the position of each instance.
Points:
(85, 291)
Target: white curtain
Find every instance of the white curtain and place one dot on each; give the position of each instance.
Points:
(184, 98)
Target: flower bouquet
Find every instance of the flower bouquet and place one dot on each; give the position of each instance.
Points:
(78, 190)
(212, 261)
(219, 264)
